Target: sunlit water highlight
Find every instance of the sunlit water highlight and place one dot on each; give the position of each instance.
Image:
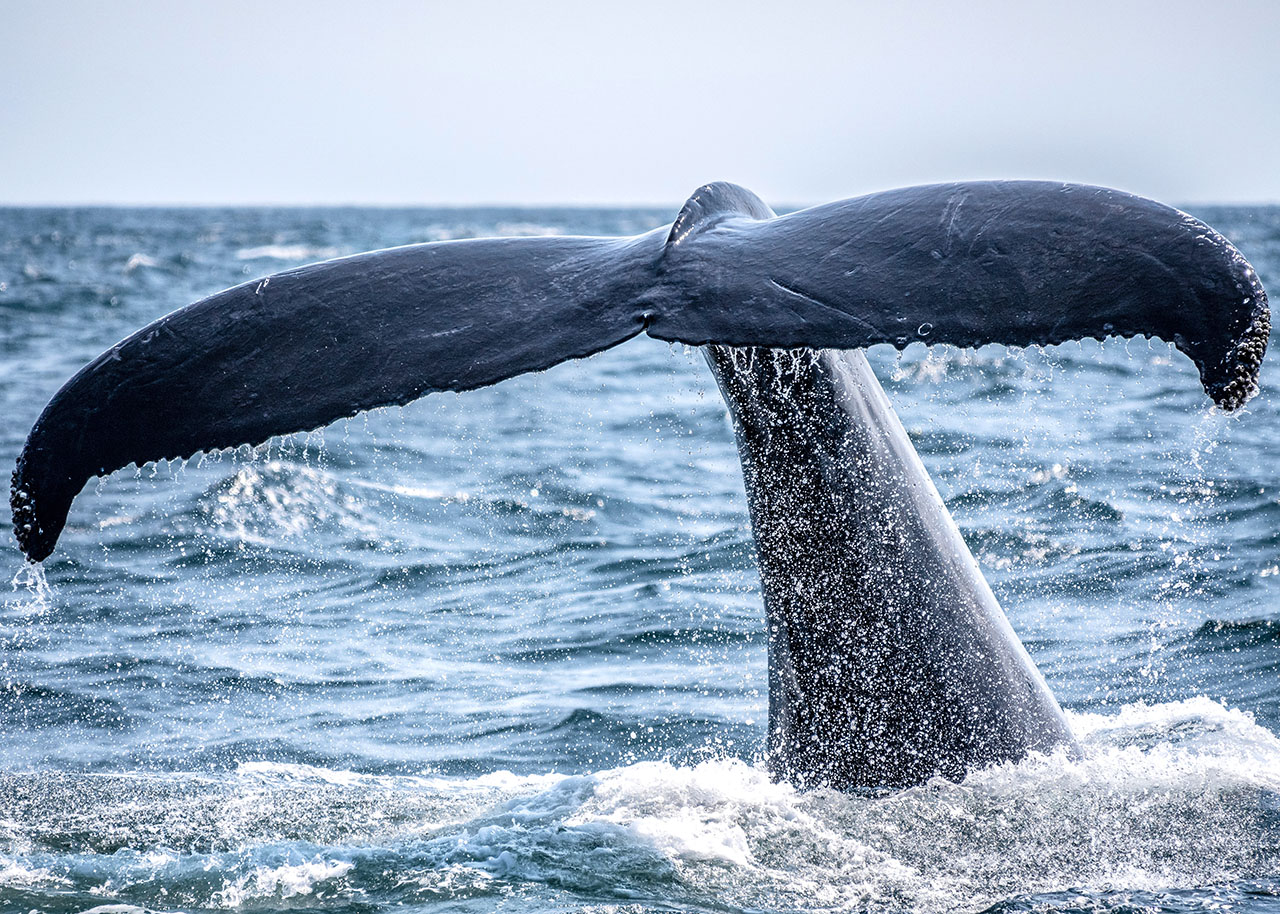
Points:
(506, 648)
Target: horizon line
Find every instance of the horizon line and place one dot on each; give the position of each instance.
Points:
(597, 205)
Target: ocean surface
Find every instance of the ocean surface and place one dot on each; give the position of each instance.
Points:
(504, 650)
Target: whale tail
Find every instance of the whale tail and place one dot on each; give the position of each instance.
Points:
(972, 263)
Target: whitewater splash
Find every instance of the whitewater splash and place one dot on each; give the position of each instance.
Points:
(1164, 798)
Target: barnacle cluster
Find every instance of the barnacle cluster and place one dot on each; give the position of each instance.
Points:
(1244, 361)
(25, 523)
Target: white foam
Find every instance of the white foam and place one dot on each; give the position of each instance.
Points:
(1117, 816)
(284, 881)
(1162, 797)
(139, 261)
(15, 874)
(701, 813)
(292, 772)
(497, 782)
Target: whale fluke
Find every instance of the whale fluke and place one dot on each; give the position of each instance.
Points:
(300, 349)
(971, 263)
(1015, 262)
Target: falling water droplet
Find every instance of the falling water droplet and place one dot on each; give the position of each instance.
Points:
(925, 329)
(30, 577)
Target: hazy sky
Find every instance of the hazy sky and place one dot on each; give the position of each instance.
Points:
(636, 102)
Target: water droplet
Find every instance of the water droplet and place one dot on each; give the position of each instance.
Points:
(925, 329)
(30, 577)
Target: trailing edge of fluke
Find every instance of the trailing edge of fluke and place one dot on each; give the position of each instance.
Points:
(971, 263)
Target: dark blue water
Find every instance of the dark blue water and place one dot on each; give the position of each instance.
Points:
(505, 650)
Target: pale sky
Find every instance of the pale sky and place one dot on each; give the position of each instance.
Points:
(637, 102)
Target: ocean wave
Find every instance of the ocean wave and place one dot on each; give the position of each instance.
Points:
(26, 705)
(287, 252)
(1235, 635)
(607, 644)
(140, 261)
(1164, 797)
(285, 880)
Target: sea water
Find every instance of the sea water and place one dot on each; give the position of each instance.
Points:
(505, 649)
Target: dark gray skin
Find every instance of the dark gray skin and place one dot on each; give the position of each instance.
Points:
(890, 660)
